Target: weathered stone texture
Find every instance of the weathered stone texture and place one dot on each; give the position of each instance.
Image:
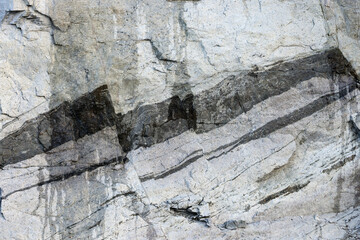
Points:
(5, 5)
(174, 119)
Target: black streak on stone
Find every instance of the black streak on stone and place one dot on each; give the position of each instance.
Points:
(65, 176)
(355, 128)
(95, 225)
(288, 119)
(285, 191)
(166, 173)
(263, 131)
(339, 164)
(151, 124)
(148, 125)
(235, 95)
(1, 214)
(118, 195)
(69, 121)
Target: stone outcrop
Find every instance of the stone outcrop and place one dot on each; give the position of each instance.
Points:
(179, 119)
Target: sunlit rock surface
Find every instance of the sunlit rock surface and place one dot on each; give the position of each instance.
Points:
(179, 119)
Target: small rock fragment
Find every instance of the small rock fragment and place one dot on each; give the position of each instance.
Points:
(234, 224)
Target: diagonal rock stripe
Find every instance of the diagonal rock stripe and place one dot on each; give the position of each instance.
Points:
(215, 107)
(151, 124)
(69, 121)
(260, 132)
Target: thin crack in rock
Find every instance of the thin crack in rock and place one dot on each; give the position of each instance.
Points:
(69, 175)
(286, 191)
(1, 198)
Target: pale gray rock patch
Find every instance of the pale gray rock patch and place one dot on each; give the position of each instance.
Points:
(5, 5)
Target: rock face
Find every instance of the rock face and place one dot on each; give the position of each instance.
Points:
(161, 119)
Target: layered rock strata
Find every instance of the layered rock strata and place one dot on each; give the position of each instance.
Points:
(226, 162)
(179, 119)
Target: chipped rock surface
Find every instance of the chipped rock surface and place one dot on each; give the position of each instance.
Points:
(179, 119)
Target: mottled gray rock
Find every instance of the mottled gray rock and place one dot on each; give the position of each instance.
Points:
(174, 119)
(234, 224)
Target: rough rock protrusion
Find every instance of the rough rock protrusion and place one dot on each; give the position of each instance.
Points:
(233, 224)
(191, 206)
